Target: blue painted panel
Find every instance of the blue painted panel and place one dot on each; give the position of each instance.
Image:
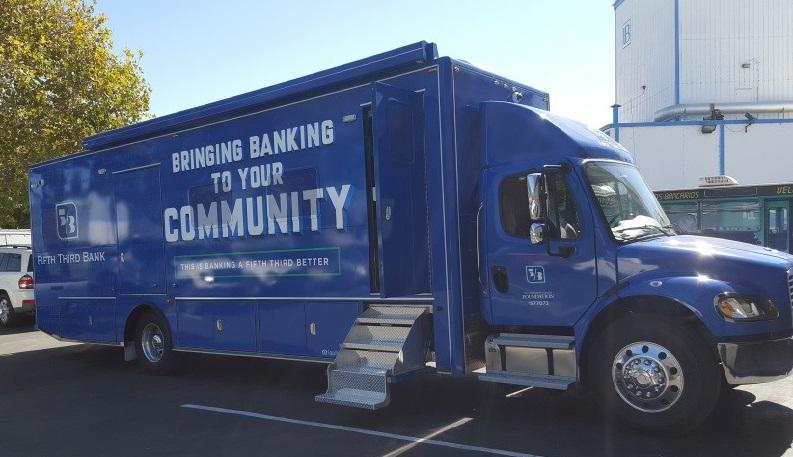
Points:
(288, 219)
(74, 249)
(282, 327)
(86, 320)
(332, 322)
(237, 327)
(217, 325)
(401, 191)
(140, 237)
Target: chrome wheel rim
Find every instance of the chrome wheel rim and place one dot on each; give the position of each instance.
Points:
(647, 376)
(5, 311)
(153, 342)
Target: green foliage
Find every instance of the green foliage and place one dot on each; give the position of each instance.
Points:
(59, 81)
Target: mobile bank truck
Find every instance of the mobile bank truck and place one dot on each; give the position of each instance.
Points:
(398, 216)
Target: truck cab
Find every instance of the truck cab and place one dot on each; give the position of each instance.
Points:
(586, 281)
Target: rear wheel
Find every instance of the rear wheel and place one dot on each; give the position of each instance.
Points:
(654, 373)
(154, 345)
(6, 311)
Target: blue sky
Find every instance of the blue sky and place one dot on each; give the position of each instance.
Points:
(200, 51)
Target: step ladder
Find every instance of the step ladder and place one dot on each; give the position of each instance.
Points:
(384, 341)
(547, 361)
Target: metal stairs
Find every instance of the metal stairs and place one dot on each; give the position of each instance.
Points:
(547, 361)
(384, 341)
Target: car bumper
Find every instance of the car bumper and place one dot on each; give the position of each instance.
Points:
(23, 301)
(28, 306)
(756, 362)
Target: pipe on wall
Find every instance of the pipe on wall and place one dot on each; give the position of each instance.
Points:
(704, 109)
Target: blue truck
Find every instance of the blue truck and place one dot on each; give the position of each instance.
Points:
(401, 216)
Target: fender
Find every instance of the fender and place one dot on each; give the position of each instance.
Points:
(692, 291)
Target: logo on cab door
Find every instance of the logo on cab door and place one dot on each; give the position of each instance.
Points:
(66, 214)
(535, 275)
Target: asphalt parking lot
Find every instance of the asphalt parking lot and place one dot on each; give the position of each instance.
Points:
(82, 400)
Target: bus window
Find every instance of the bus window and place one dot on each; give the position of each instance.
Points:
(734, 220)
(777, 232)
(684, 216)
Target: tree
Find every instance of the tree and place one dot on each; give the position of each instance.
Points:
(59, 82)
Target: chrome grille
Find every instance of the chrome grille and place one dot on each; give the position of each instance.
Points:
(790, 285)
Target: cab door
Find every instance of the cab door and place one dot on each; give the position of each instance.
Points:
(547, 284)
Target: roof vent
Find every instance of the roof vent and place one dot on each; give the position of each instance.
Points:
(716, 181)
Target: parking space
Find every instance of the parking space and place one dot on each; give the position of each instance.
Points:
(74, 399)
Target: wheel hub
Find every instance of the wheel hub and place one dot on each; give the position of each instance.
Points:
(153, 342)
(5, 311)
(644, 377)
(647, 376)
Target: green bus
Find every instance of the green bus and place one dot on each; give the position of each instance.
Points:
(753, 214)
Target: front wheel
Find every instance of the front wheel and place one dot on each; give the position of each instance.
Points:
(654, 373)
(154, 345)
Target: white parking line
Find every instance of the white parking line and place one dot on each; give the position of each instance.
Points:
(363, 431)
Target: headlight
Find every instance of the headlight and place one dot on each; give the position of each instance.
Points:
(741, 308)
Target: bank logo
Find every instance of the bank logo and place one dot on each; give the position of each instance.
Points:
(535, 275)
(66, 215)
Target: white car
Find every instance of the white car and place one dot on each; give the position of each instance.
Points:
(16, 283)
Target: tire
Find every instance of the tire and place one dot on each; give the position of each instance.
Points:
(659, 359)
(7, 316)
(154, 345)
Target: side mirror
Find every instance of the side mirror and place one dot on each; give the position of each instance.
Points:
(537, 232)
(535, 184)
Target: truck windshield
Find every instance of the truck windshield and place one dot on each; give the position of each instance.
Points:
(630, 208)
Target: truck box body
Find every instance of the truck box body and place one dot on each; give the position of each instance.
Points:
(400, 215)
(253, 212)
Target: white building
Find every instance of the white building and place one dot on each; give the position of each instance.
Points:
(705, 88)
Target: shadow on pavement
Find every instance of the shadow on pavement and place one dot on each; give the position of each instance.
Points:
(539, 422)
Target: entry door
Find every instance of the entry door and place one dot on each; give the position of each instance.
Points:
(525, 284)
(400, 191)
(777, 225)
(140, 232)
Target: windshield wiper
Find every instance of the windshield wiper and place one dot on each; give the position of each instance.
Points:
(639, 227)
(667, 230)
(658, 230)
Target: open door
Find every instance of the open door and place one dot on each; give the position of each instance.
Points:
(400, 200)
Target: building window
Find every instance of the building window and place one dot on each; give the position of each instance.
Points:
(734, 220)
(627, 33)
(684, 216)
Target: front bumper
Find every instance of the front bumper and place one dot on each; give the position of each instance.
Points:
(756, 362)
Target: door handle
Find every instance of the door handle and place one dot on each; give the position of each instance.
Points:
(500, 279)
